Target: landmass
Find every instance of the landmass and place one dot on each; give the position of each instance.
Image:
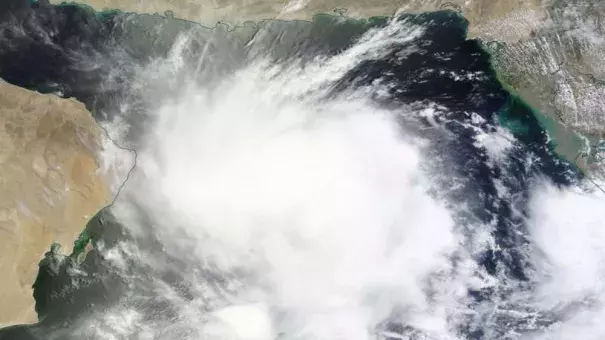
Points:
(505, 20)
(547, 51)
(558, 69)
(50, 186)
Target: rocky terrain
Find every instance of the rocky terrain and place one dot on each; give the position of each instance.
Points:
(50, 185)
(549, 51)
(561, 63)
(507, 20)
(559, 70)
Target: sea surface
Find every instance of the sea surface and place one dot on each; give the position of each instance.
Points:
(334, 179)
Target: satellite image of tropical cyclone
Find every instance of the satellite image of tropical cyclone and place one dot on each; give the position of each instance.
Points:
(302, 169)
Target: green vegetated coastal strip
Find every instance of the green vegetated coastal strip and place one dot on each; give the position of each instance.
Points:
(566, 142)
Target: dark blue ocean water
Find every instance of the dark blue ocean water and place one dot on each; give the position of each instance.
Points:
(73, 51)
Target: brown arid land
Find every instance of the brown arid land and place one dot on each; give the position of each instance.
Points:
(50, 185)
(548, 51)
(507, 20)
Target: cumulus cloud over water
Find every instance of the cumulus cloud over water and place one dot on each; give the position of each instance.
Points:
(568, 230)
(314, 216)
(322, 205)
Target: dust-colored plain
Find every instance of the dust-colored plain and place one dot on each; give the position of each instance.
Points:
(50, 185)
(505, 20)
